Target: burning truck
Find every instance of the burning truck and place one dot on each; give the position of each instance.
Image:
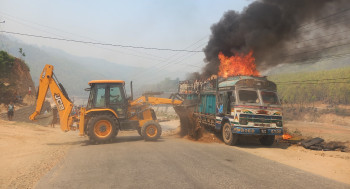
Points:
(232, 105)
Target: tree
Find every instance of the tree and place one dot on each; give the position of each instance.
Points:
(21, 52)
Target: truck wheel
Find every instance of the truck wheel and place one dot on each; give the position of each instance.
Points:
(227, 135)
(139, 131)
(102, 128)
(267, 140)
(151, 130)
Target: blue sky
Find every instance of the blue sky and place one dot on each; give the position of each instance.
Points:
(175, 24)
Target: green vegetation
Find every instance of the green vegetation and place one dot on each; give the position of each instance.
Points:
(6, 63)
(330, 86)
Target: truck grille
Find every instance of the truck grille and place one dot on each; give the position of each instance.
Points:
(260, 118)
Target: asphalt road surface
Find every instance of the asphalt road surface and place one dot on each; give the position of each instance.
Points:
(130, 162)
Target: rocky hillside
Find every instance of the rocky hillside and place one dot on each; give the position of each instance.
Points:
(15, 78)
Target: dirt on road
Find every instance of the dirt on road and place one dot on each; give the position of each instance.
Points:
(28, 151)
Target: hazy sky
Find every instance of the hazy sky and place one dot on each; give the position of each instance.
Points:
(174, 24)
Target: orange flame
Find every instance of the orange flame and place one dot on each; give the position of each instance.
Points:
(286, 136)
(237, 65)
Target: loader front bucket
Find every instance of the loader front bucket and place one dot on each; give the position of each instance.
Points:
(188, 123)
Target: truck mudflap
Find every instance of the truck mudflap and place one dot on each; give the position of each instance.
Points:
(257, 131)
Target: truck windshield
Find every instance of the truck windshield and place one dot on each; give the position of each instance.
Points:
(248, 96)
(269, 97)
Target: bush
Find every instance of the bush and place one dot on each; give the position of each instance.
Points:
(6, 63)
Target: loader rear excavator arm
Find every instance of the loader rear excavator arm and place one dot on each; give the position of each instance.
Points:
(64, 105)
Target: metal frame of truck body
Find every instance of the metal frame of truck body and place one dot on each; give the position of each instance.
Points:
(256, 118)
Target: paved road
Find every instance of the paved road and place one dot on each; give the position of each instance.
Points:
(171, 162)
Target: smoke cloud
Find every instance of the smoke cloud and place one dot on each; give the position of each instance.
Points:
(275, 30)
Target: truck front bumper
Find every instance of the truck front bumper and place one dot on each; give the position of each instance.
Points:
(257, 131)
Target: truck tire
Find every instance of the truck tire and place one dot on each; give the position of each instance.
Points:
(151, 131)
(267, 140)
(227, 135)
(102, 128)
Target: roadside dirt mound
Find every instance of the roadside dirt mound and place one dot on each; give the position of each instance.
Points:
(16, 84)
(22, 78)
(323, 113)
(22, 115)
(28, 151)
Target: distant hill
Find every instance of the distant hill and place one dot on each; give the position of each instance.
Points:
(327, 86)
(72, 71)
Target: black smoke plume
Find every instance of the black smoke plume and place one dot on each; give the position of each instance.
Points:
(271, 28)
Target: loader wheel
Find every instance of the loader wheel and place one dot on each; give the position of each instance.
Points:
(151, 130)
(102, 128)
(139, 131)
(227, 135)
(267, 140)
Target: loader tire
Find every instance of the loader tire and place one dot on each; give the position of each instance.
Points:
(267, 140)
(139, 131)
(102, 128)
(151, 130)
(227, 135)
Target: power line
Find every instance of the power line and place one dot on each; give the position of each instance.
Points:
(23, 22)
(328, 16)
(312, 51)
(314, 83)
(318, 58)
(301, 81)
(322, 36)
(169, 60)
(328, 25)
(331, 57)
(309, 46)
(98, 43)
(308, 59)
(159, 70)
(315, 24)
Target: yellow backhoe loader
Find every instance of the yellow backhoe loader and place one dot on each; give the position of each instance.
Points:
(108, 109)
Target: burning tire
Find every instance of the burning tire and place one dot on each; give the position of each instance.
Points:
(267, 140)
(151, 130)
(227, 135)
(102, 128)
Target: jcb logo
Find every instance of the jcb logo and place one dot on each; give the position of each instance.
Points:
(59, 102)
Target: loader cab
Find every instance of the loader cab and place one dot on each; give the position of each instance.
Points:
(108, 94)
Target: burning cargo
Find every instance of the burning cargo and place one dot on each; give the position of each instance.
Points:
(234, 106)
